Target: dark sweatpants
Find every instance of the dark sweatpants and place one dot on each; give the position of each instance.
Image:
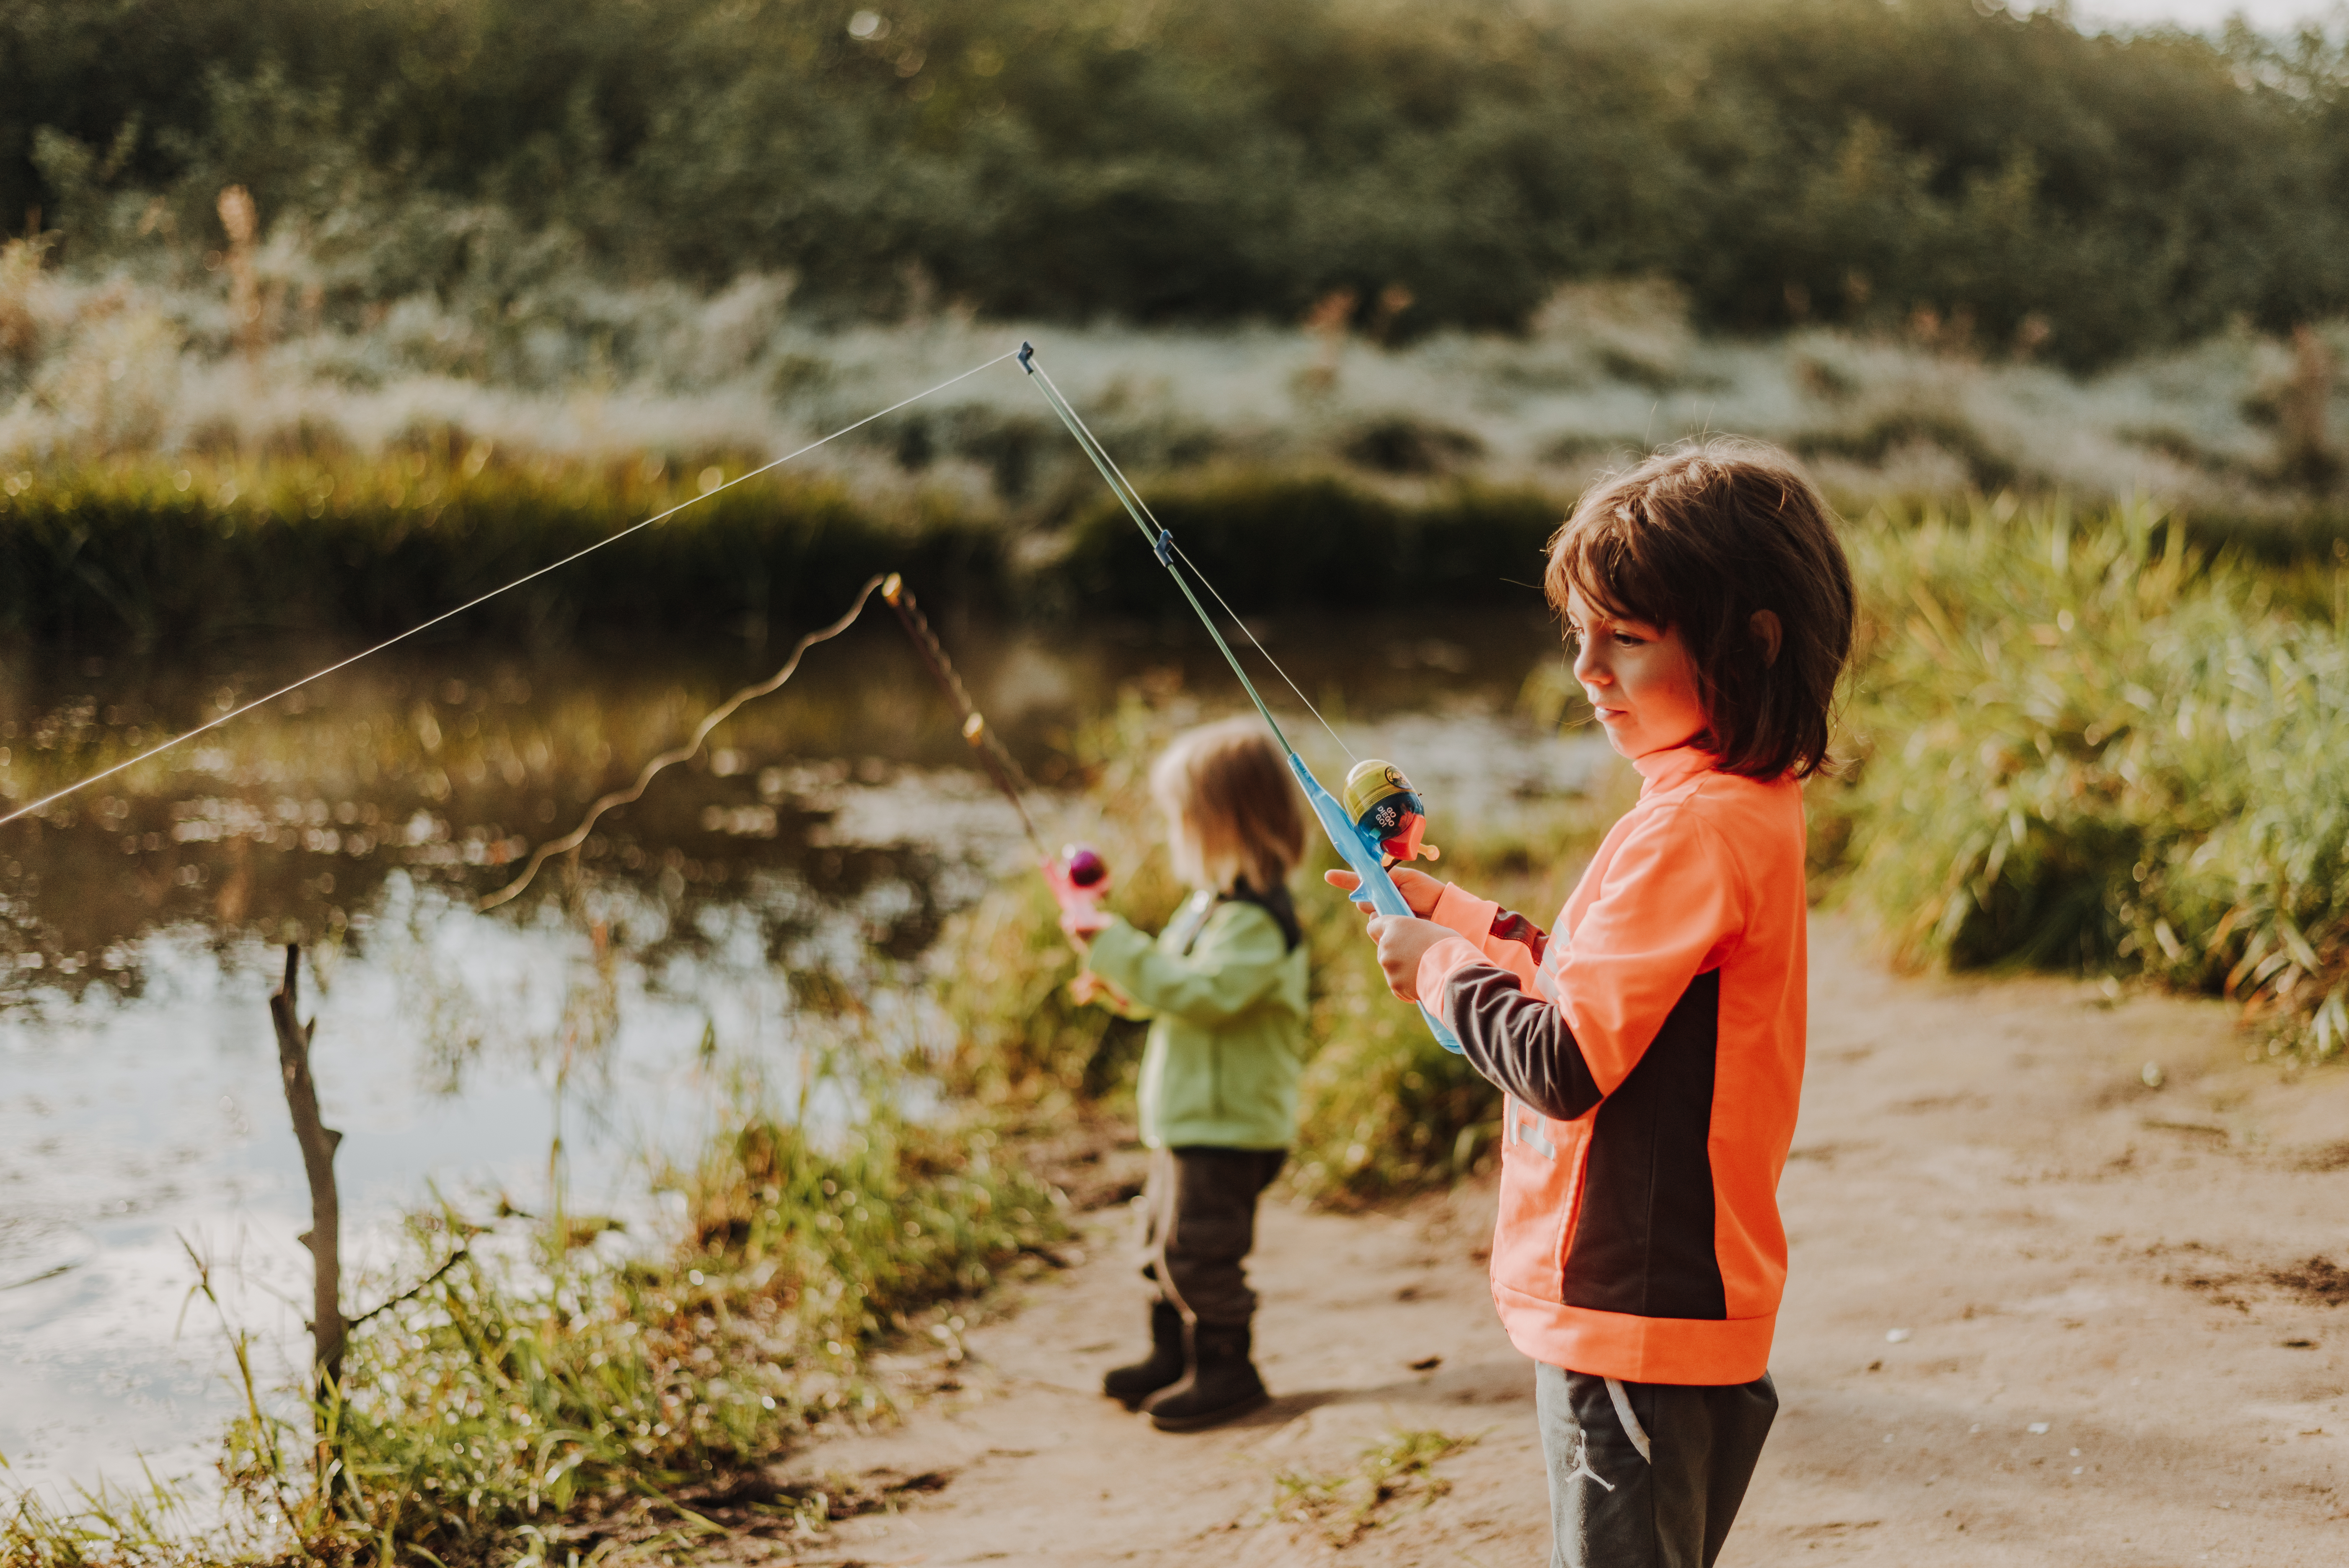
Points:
(1611, 1505)
(1199, 1219)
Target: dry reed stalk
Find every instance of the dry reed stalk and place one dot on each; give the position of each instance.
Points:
(2304, 412)
(20, 270)
(241, 220)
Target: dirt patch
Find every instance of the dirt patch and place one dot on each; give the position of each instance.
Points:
(760, 1516)
(2314, 1281)
(2319, 1282)
(1990, 1349)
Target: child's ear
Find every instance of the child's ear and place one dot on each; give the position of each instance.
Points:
(1764, 625)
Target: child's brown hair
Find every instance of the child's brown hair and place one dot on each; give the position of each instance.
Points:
(1699, 539)
(1227, 787)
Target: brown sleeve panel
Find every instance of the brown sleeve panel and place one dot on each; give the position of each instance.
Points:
(1519, 1043)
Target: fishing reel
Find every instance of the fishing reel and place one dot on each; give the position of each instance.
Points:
(1079, 879)
(1388, 813)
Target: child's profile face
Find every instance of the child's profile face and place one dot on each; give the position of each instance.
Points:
(1181, 850)
(1638, 677)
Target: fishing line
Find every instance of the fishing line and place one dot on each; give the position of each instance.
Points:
(993, 755)
(1208, 584)
(1364, 833)
(1059, 871)
(1161, 542)
(1162, 538)
(528, 576)
(675, 754)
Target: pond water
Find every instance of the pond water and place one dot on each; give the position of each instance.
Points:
(822, 840)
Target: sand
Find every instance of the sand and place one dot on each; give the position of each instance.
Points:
(2038, 1314)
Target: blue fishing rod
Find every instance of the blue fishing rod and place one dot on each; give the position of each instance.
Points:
(1383, 818)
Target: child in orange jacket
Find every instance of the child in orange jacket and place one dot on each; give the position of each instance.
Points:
(1650, 1047)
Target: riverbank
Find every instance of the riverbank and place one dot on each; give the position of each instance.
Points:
(2038, 1314)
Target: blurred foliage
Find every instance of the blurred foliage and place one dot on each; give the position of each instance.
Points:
(1418, 166)
(1290, 540)
(159, 551)
(147, 553)
(2087, 743)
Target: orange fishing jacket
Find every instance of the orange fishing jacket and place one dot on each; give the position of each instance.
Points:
(1651, 1053)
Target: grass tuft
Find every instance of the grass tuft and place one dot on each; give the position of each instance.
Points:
(1345, 1505)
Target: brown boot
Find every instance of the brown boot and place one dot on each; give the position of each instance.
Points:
(1162, 1368)
(1223, 1383)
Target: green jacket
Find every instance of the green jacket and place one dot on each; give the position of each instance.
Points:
(1227, 1024)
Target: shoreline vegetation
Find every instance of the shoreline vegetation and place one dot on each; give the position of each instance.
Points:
(125, 556)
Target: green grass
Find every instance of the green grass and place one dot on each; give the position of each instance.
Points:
(1344, 1505)
(1315, 540)
(2084, 743)
(583, 1406)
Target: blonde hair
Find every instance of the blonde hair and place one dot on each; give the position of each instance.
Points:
(1227, 794)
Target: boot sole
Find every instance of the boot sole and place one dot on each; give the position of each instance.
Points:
(1207, 1418)
(1138, 1400)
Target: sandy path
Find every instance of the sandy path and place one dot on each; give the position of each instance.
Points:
(1978, 1165)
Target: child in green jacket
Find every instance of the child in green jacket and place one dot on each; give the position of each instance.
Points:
(1224, 987)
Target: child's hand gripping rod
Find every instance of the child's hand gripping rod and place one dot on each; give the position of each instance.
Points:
(1362, 846)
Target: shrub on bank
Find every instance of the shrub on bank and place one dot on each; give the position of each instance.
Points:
(2085, 742)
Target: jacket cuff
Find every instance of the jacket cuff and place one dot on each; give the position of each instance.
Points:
(1439, 963)
(1464, 912)
(1116, 954)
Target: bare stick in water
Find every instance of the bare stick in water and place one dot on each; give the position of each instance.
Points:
(318, 1141)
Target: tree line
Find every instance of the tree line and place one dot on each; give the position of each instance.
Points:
(1424, 166)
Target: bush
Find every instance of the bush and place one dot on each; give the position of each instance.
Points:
(2090, 744)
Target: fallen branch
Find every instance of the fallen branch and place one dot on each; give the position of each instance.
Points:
(418, 1289)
